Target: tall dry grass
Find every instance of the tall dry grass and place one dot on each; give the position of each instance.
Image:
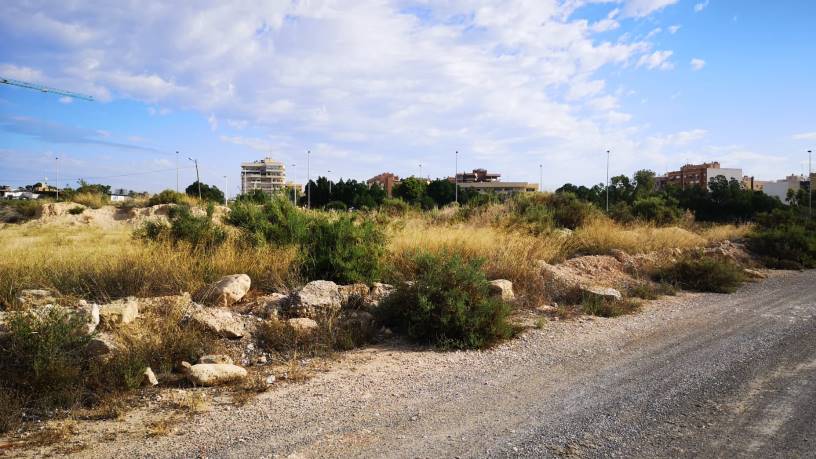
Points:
(99, 264)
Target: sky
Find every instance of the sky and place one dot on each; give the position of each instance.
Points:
(533, 90)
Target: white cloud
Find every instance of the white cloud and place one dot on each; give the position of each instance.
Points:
(697, 64)
(656, 60)
(700, 6)
(805, 136)
(213, 122)
(641, 8)
(673, 29)
(66, 100)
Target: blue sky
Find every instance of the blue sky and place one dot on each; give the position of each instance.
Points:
(378, 85)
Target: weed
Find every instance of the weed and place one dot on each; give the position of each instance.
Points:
(92, 200)
(76, 210)
(703, 275)
(652, 291)
(597, 306)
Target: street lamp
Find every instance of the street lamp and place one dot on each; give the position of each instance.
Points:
(198, 179)
(330, 182)
(177, 174)
(607, 181)
(226, 189)
(294, 195)
(456, 179)
(308, 179)
(540, 177)
(56, 160)
(810, 185)
(420, 170)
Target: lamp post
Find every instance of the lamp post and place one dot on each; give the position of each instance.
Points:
(607, 181)
(456, 179)
(56, 182)
(330, 182)
(198, 178)
(177, 175)
(540, 177)
(420, 170)
(810, 185)
(226, 189)
(294, 195)
(308, 179)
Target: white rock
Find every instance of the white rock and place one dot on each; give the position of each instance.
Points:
(216, 358)
(303, 324)
(503, 289)
(378, 293)
(754, 274)
(33, 298)
(219, 321)
(119, 312)
(605, 293)
(150, 377)
(270, 379)
(101, 345)
(315, 299)
(227, 290)
(213, 374)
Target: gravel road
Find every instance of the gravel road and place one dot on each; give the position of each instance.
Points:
(694, 375)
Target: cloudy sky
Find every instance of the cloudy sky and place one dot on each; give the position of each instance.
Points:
(378, 85)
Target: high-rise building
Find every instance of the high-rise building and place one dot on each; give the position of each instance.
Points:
(267, 175)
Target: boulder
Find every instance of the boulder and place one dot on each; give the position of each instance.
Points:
(216, 358)
(268, 306)
(605, 293)
(102, 345)
(227, 290)
(92, 312)
(302, 325)
(315, 299)
(351, 291)
(754, 274)
(503, 289)
(219, 321)
(150, 378)
(119, 312)
(214, 374)
(378, 293)
(33, 298)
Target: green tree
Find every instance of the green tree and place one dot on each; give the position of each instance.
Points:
(208, 192)
(410, 190)
(442, 191)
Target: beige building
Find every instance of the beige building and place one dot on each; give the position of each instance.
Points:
(267, 175)
(499, 187)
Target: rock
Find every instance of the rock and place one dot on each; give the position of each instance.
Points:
(315, 299)
(33, 298)
(219, 321)
(503, 289)
(303, 325)
(547, 308)
(216, 358)
(92, 312)
(227, 290)
(604, 293)
(348, 292)
(119, 312)
(620, 255)
(754, 274)
(269, 306)
(378, 293)
(102, 345)
(270, 380)
(150, 377)
(214, 374)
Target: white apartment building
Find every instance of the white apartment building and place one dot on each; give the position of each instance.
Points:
(267, 175)
(780, 188)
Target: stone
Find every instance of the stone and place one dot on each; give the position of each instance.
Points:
(378, 293)
(102, 345)
(303, 325)
(548, 308)
(270, 380)
(605, 293)
(620, 255)
(92, 312)
(227, 290)
(216, 358)
(503, 289)
(150, 378)
(269, 306)
(754, 274)
(119, 312)
(214, 374)
(33, 298)
(348, 292)
(220, 321)
(315, 299)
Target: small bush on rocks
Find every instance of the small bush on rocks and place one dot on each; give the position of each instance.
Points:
(448, 304)
(703, 275)
(597, 306)
(170, 197)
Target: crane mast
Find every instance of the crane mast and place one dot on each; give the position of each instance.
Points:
(38, 87)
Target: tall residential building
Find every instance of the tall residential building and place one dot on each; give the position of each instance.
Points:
(780, 188)
(487, 182)
(691, 175)
(265, 174)
(386, 181)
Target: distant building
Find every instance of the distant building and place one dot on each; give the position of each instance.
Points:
(691, 175)
(477, 176)
(749, 183)
(386, 181)
(267, 175)
(780, 188)
(487, 182)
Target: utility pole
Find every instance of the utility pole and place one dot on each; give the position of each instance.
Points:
(226, 189)
(177, 175)
(607, 181)
(56, 159)
(330, 182)
(456, 179)
(198, 179)
(420, 170)
(810, 185)
(540, 177)
(308, 179)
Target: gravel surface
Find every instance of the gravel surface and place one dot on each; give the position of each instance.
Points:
(698, 374)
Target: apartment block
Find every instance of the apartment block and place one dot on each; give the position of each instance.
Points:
(267, 175)
(691, 175)
(386, 181)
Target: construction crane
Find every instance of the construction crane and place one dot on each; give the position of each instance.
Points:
(25, 84)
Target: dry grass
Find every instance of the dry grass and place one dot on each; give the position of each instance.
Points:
(92, 200)
(93, 263)
(601, 235)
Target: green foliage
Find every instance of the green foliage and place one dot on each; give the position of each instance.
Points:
(410, 190)
(167, 197)
(595, 305)
(42, 357)
(352, 193)
(209, 193)
(784, 240)
(92, 188)
(650, 291)
(540, 211)
(442, 191)
(19, 211)
(657, 209)
(199, 231)
(76, 210)
(448, 304)
(703, 275)
(395, 207)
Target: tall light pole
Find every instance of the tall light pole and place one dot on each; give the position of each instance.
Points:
(198, 179)
(420, 170)
(810, 185)
(177, 175)
(456, 179)
(308, 179)
(330, 182)
(540, 177)
(56, 160)
(226, 189)
(607, 181)
(294, 195)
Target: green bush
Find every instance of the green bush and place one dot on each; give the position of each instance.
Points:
(199, 231)
(343, 250)
(448, 304)
(657, 209)
(595, 305)
(541, 212)
(395, 207)
(76, 210)
(19, 211)
(784, 240)
(703, 275)
(168, 197)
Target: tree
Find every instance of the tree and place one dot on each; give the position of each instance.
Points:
(442, 191)
(410, 190)
(645, 183)
(208, 192)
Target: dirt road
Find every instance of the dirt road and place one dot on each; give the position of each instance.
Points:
(696, 375)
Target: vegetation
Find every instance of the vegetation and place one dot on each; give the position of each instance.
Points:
(208, 193)
(785, 240)
(170, 197)
(353, 194)
(602, 307)
(447, 303)
(703, 275)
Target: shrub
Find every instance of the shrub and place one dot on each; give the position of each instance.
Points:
(784, 241)
(649, 291)
(703, 275)
(395, 207)
(596, 306)
(448, 304)
(19, 211)
(658, 210)
(343, 251)
(337, 205)
(76, 210)
(169, 197)
(92, 200)
(198, 231)
(541, 211)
